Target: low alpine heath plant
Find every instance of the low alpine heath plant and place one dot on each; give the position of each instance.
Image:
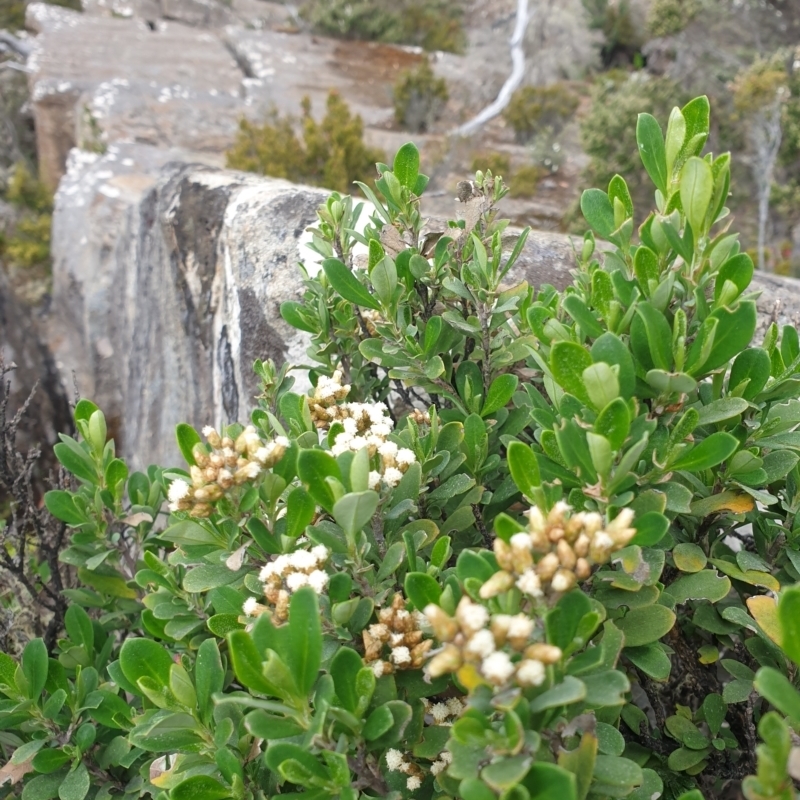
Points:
(516, 543)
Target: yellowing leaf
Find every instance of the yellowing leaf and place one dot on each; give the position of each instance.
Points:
(469, 677)
(765, 612)
(724, 501)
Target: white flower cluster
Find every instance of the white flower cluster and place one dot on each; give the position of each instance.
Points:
(567, 547)
(443, 713)
(366, 425)
(230, 463)
(396, 762)
(474, 638)
(285, 575)
(395, 641)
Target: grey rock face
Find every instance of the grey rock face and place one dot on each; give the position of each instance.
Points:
(24, 347)
(172, 289)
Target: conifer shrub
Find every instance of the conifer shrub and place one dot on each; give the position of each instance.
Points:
(419, 97)
(514, 543)
(330, 153)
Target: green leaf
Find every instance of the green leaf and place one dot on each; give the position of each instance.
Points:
(777, 689)
(645, 267)
(200, 787)
(598, 211)
(303, 653)
(735, 331)
(650, 139)
(789, 619)
(209, 576)
(144, 658)
(506, 773)
(345, 668)
(347, 285)
(79, 627)
(569, 691)
(248, 664)
(610, 348)
(658, 333)
(292, 312)
(47, 761)
(703, 585)
(604, 689)
(697, 187)
(76, 459)
(406, 165)
(645, 625)
(651, 659)
(676, 135)
(187, 438)
(614, 423)
(580, 312)
(720, 410)
(35, 667)
(61, 506)
(617, 772)
(300, 510)
(524, 469)
(313, 466)
(499, 394)
(683, 758)
(651, 528)
(422, 589)
(738, 270)
(689, 557)
(709, 453)
(568, 360)
(76, 785)
(209, 675)
(548, 781)
(355, 510)
(601, 384)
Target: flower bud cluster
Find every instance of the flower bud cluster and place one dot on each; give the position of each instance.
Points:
(327, 393)
(396, 761)
(475, 638)
(557, 551)
(395, 641)
(229, 464)
(284, 576)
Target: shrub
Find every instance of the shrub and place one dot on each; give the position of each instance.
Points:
(608, 131)
(535, 108)
(27, 244)
(331, 153)
(621, 39)
(499, 164)
(526, 179)
(433, 25)
(668, 17)
(441, 572)
(418, 98)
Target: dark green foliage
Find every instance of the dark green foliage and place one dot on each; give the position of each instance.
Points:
(433, 25)
(419, 97)
(535, 108)
(330, 153)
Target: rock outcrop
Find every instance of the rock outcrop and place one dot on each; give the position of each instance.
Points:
(168, 278)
